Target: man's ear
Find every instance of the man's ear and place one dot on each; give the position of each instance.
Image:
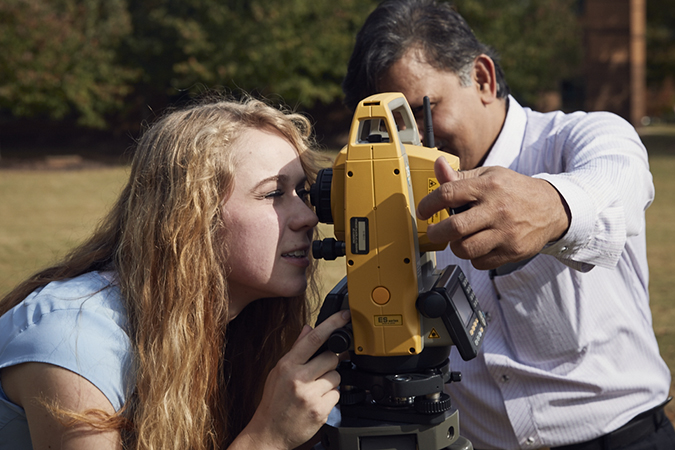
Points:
(485, 78)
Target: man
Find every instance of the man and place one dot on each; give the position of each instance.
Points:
(553, 243)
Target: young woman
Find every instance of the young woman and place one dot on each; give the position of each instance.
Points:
(180, 324)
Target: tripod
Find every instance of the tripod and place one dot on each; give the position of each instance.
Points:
(370, 425)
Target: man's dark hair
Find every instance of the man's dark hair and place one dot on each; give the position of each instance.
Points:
(395, 26)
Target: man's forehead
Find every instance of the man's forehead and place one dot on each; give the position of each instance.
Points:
(409, 78)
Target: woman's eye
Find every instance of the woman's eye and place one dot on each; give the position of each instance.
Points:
(275, 193)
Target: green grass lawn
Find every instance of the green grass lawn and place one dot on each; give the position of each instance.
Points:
(661, 254)
(45, 213)
(661, 244)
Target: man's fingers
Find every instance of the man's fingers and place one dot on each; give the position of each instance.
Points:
(444, 173)
(475, 246)
(448, 195)
(457, 189)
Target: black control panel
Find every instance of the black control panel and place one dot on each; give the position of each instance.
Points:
(453, 300)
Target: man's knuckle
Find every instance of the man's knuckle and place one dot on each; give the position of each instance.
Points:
(459, 225)
(517, 248)
(493, 183)
(447, 192)
(459, 248)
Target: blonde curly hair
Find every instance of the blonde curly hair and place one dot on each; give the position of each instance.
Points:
(164, 239)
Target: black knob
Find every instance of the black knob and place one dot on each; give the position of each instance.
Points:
(319, 195)
(339, 341)
(431, 304)
(328, 249)
(433, 406)
(352, 396)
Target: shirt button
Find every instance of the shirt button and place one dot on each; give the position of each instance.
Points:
(563, 249)
(505, 378)
(530, 440)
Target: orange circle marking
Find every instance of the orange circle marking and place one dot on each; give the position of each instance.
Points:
(381, 295)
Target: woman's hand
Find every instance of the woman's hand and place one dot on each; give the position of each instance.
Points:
(299, 393)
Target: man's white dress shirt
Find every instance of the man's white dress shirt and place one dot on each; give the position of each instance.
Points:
(569, 353)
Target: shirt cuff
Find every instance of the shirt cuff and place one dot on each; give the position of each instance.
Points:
(569, 247)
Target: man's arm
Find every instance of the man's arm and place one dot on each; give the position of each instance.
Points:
(582, 212)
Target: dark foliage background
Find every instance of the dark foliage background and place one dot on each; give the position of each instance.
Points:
(71, 67)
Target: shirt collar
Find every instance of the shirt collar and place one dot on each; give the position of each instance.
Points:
(507, 146)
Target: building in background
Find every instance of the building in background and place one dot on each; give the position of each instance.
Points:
(614, 67)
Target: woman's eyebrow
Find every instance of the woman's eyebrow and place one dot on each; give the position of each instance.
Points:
(277, 179)
(273, 179)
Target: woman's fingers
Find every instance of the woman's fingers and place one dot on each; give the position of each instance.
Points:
(308, 343)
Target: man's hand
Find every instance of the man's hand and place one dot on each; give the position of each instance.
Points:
(512, 216)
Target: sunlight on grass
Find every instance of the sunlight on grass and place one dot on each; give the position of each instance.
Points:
(43, 214)
(661, 254)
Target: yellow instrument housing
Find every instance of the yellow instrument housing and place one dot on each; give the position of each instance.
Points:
(378, 179)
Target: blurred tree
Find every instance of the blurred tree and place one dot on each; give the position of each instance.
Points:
(661, 55)
(59, 58)
(310, 40)
(82, 58)
(660, 40)
(297, 49)
(539, 41)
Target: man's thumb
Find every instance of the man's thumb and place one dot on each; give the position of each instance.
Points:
(443, 171)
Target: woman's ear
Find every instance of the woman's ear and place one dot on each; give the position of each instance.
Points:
(485, 78)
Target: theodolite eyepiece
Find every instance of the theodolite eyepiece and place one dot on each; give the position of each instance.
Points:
(319, 195)
(328, 249)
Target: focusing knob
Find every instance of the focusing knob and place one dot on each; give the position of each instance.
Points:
(352, 396)
(339, 341)
(431, 304)
(319, 195)
(328, 249)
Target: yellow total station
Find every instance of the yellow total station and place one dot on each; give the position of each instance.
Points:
(377, 181)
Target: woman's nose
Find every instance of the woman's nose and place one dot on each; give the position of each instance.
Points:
(304, 217)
